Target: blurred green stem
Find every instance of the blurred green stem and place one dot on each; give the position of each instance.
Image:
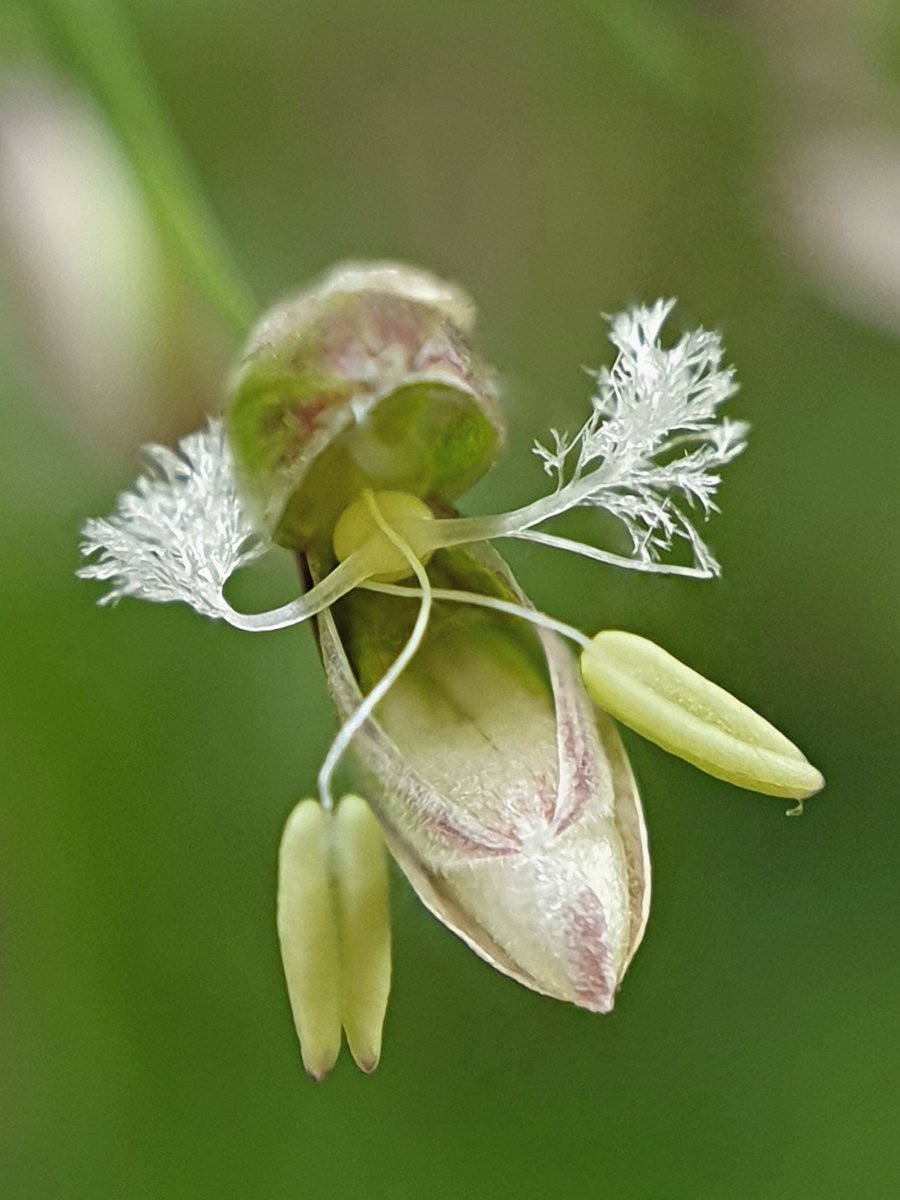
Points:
(107, 53)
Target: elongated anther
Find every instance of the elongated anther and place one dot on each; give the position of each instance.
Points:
(308, 933)
(653, 693)
(361, 877)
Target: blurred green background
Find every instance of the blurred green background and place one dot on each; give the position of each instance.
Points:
(560, 161)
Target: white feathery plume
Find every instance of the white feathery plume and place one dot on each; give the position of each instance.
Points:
(179, 533)
(653, 444)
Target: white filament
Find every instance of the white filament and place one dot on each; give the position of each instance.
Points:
(349, 574)
(361, 714)
(522, 611)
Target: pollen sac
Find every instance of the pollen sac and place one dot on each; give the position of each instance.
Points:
(649, 690)
(334, 931)
(504, 795)
(361, 884)
(308, 934)
(366, 380)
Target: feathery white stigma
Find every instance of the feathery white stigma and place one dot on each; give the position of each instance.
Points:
(179, 533)
(653, 438)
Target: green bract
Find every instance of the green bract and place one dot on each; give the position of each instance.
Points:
(365, 380)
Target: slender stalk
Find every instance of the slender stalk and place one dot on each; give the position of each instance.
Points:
(461, 531)
(479, 600)
(110, 59)
(361, 714)
(457, 531)
(343, 579)
(614, 560)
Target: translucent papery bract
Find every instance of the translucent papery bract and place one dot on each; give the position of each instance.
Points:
(505, 796)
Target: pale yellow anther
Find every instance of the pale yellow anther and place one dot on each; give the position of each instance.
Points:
(357, 530)
(334, 930)
(308, 933)
(361, 880)
(653, 693)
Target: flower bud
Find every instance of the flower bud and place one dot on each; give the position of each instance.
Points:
(653, 693)
(505, 797)
(365, 380)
